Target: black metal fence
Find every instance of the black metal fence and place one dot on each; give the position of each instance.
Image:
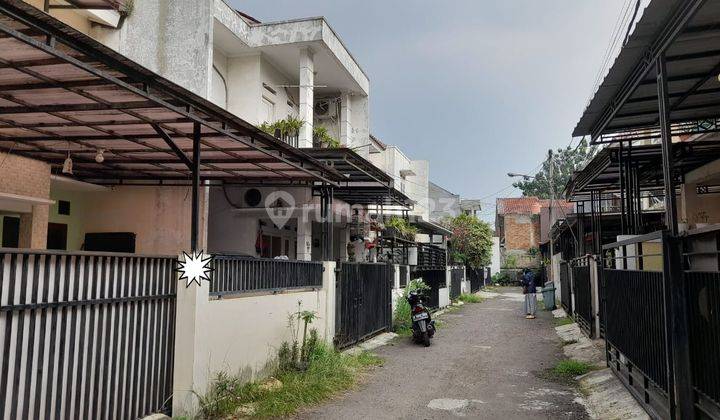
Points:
(636, 318)
(431, 256)
(476, 278)
(457, 275)
(566, 288)
(364, 301)
(701, 278)
(85, 335)
(436, 280)
(583, 295)
(239, 274)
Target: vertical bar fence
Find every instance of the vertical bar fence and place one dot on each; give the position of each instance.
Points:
(85, 335)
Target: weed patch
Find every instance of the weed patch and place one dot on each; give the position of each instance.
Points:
(470, 298)
(327, 373)
(566, 371)
(563, 321)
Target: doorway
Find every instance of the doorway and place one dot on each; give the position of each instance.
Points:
(11, 232)
(57, 236)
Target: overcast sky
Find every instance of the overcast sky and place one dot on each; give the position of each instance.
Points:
(477, 87)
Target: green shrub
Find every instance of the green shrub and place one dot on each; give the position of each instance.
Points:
(402, 321)
(569, 369)
(469, 298)
(505, 278)
(327, 373)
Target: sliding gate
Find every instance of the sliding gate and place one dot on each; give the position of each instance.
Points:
(364, 301)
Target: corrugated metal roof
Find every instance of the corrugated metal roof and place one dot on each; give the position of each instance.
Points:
(692, 67)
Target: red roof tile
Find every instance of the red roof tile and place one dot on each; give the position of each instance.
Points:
(526, 205)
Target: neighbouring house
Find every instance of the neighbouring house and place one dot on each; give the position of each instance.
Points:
(520, 224)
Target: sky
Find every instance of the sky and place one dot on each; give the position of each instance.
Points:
(479, 88)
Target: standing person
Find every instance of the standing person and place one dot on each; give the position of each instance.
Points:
(529, 290)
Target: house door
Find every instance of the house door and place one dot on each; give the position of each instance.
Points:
(57, 236)
(11, 232)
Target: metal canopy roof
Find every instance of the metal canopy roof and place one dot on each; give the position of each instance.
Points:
(62, 93)
(363, 182)
(625, 106)
(603, 172)
(97, 4)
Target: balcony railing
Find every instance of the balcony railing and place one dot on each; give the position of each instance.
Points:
(431, 256)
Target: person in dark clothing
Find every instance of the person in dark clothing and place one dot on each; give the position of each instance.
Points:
(529, 290)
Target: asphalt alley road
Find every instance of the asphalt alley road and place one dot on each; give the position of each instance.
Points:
(483, 363)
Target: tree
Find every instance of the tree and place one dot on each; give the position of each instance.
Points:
(567, 161)
(471, 241)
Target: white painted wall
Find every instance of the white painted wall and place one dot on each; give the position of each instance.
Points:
(234, 231)
(495, 258)
(238, 336)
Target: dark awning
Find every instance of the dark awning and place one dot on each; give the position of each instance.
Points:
(63, 93)
(625, 106)
(96, 4)
(362, 182)
(602, 174)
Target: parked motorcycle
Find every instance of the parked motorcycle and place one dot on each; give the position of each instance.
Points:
(422, 324)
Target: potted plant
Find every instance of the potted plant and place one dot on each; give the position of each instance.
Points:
(322, 139)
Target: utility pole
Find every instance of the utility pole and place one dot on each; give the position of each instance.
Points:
(552, 219)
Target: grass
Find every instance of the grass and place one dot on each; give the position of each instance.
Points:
(565, 371)
(470, 298)
(328, 373)
(563, 321)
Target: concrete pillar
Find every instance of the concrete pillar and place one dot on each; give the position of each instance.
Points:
(304, 239)
(345, 120)
(34, 227)
(329, 285)
(689, 205)
(307, 97)
(190, 374)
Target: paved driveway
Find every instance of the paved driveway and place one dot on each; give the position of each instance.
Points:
(482, 364)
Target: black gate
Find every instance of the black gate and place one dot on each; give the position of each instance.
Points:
(583, 296)
(364, 301)
(436, 280)
(476, 277)
(565, 288)
(456, 278)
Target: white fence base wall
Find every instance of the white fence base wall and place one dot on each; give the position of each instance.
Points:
(444, 297)
(238, 335)
(465, 286)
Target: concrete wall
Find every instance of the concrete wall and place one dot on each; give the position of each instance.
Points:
(495, 258)
(159, 216)
(170, 37)
(238, 336)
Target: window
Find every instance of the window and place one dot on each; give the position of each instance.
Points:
(64, 207)
(268, 111)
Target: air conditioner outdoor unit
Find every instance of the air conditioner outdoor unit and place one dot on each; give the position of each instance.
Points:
(325, 108)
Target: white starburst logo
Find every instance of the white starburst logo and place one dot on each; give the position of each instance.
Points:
(195, 267)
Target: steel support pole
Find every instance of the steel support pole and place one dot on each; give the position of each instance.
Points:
(666, 137)
(682, 402)
(195, 212)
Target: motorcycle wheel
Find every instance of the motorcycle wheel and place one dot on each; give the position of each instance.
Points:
(426, 339)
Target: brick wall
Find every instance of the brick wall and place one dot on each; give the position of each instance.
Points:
(23, 176)
(522, 232)
(28, 177)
